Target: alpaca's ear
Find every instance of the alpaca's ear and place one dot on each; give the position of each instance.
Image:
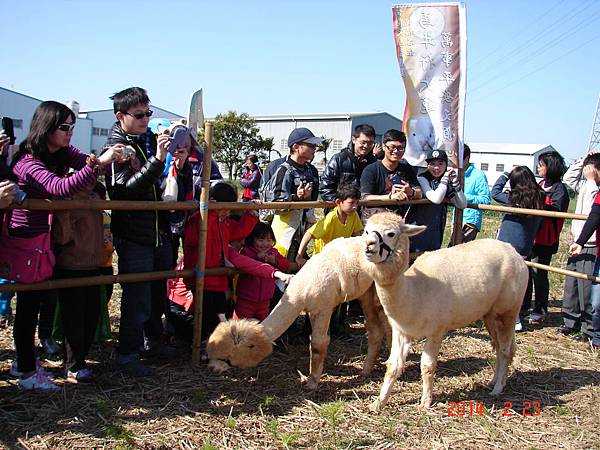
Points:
(412, 230)
(234, 333)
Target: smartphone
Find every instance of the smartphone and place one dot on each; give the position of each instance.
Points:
(9, 129)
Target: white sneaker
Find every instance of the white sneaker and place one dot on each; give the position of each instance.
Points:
(15, 372)
(39, 382)
(518, 325)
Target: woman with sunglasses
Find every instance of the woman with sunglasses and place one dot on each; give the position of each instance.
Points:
(43, 160)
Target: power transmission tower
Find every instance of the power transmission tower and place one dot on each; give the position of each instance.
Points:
(595, 136)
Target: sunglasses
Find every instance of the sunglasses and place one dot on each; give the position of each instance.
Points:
(66, 127)
(140, 116)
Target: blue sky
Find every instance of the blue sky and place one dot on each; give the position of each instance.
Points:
(533, 66)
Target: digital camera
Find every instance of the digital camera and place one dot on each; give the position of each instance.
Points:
(128, 152)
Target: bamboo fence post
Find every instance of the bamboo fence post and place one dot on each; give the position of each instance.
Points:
(201, 263)
(456, 237)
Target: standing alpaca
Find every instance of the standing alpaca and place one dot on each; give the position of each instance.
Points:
(334, 276)
(443, 290)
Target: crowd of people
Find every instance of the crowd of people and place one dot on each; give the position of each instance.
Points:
(156, 317)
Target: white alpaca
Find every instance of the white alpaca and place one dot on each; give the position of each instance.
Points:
(443, 290)
(333, 276)
(420, 139)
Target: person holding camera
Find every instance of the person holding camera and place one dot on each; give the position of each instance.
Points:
(142, 239)
(43, 160)
(296, 179)
(392, 178)
(438, 183)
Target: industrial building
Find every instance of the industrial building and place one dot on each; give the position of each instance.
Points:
(494, 159)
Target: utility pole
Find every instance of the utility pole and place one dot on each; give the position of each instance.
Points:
(595, 135)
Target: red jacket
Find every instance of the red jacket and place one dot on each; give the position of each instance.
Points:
(259, 289)
(557, 199)
(181, 290)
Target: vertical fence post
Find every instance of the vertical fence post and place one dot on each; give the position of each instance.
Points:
(200, 265)
(456, 237)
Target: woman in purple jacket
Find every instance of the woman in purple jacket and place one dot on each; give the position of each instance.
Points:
(43, 160)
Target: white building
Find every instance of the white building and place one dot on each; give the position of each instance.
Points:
(92, 127)
(494, 159)
(335, 126)
(20, 108)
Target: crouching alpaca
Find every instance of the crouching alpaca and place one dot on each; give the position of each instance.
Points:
(334, 276)
(442, 291)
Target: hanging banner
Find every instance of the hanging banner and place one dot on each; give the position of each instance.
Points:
(431, 48)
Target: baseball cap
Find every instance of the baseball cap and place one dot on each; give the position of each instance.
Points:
(436, 154)
(303, 135)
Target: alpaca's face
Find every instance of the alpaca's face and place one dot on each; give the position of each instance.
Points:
(381, 240)
(385, 234)
(240, 343)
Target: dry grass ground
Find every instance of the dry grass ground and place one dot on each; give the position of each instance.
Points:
(552, 399)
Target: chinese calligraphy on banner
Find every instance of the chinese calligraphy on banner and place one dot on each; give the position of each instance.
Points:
(431, 48)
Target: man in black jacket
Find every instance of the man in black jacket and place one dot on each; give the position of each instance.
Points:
(142, 238)
(348, 165)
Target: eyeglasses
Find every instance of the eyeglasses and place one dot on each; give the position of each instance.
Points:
(311, 146)
(366, 143)
(140, 116)
(66, 127)
(395, 148)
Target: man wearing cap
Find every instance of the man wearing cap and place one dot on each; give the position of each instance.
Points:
(392, 178)
(438, 183)
(296, 179)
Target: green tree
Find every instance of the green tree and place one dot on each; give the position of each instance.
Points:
(323, 147)
(235, 137)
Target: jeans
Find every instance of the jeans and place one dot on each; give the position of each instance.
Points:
(142, 303)
(596, 305)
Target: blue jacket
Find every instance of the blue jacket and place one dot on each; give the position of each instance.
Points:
(476, 191)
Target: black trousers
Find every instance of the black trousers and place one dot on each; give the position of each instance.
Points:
(26, 320)
(79, 311)
(540, 254)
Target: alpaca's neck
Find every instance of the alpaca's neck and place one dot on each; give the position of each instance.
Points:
(282, 316)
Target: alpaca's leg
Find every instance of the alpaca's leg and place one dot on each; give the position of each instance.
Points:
(429, 366)
(319, 341)
(491, 324)
(395, 367)
(505, 350)
(374, 329)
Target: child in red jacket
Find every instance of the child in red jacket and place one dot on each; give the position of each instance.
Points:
(221, 230)
(254, 294)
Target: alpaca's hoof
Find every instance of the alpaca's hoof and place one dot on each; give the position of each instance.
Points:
(425, 403)
(218, 366)
(311, 384)
(375, 406)
(366, 373)
(497, 391)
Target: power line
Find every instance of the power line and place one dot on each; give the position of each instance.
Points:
(516, 36)
(525, 46)
(536, 53)
(538, 69)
